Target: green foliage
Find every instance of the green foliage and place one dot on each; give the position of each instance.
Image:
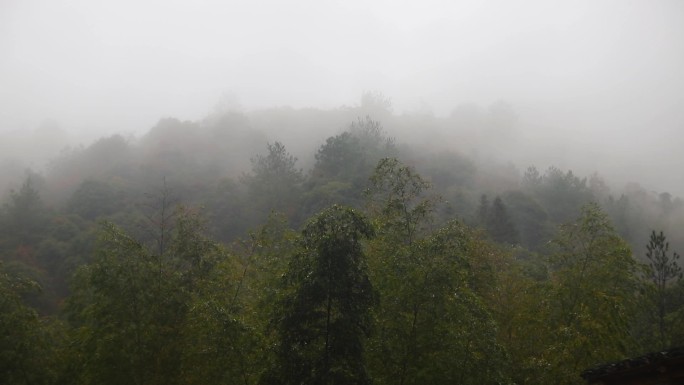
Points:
(344, 164)
(530, 219)
(591, 298)
(340, 157)
(224, 205)
(561, 194)
(116, 305)
(27, 343)
(219, 345)
(274, 183)
(396, 199)
(94, 199)
(496, 221)
(325, 314)
(662, 269)
(25, 215)
(157, 301)
(134, 309)
(432, 326)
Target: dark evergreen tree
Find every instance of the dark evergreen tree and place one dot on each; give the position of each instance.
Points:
(499, 224)
(663, 268)
(530, 219)
(325, 313)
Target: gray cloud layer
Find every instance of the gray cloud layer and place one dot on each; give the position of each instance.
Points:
(602, 79)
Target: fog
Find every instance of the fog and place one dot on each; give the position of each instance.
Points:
(592, 86)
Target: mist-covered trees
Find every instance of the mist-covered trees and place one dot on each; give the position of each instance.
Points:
(275, 182)
(561, 193)
(345, 162)
(495, 219)
(25, 215)
(242, 297)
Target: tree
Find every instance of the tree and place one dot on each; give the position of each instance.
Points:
(274, 183)
(339, 174)
(397, 199)
(495, 219)
(25, 357)
(591, 299)
(25, 215)
(94, 199)
(114, 309)
(219, 345)
(375, 102)
(499, 224)
(663, 268)
(530, 219)
(131, 306)
(562, 194)
(24, 224)
(325, 312)
(345, 162)
(225, 208)
(432, 325)
(531, 179)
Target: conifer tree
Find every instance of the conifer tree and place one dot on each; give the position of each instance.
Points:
(663, 268)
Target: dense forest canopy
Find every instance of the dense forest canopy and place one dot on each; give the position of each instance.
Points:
(213, 192)
(207, 252)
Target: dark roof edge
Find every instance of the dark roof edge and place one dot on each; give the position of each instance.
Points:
(633, 363)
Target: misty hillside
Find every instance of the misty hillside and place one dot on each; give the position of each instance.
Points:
(463, 156)
(206, 214)
(339, 192)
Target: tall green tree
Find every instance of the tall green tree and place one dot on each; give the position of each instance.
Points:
(218, 343)
(592, 299)
(398, 201)
(26, 352)
(131, 306)
(115, 309)
(432, 326)
(325, 314)
(662, 269)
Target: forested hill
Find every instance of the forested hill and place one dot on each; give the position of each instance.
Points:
(329, 246)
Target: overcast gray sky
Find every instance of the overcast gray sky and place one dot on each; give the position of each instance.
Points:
(604, 76)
